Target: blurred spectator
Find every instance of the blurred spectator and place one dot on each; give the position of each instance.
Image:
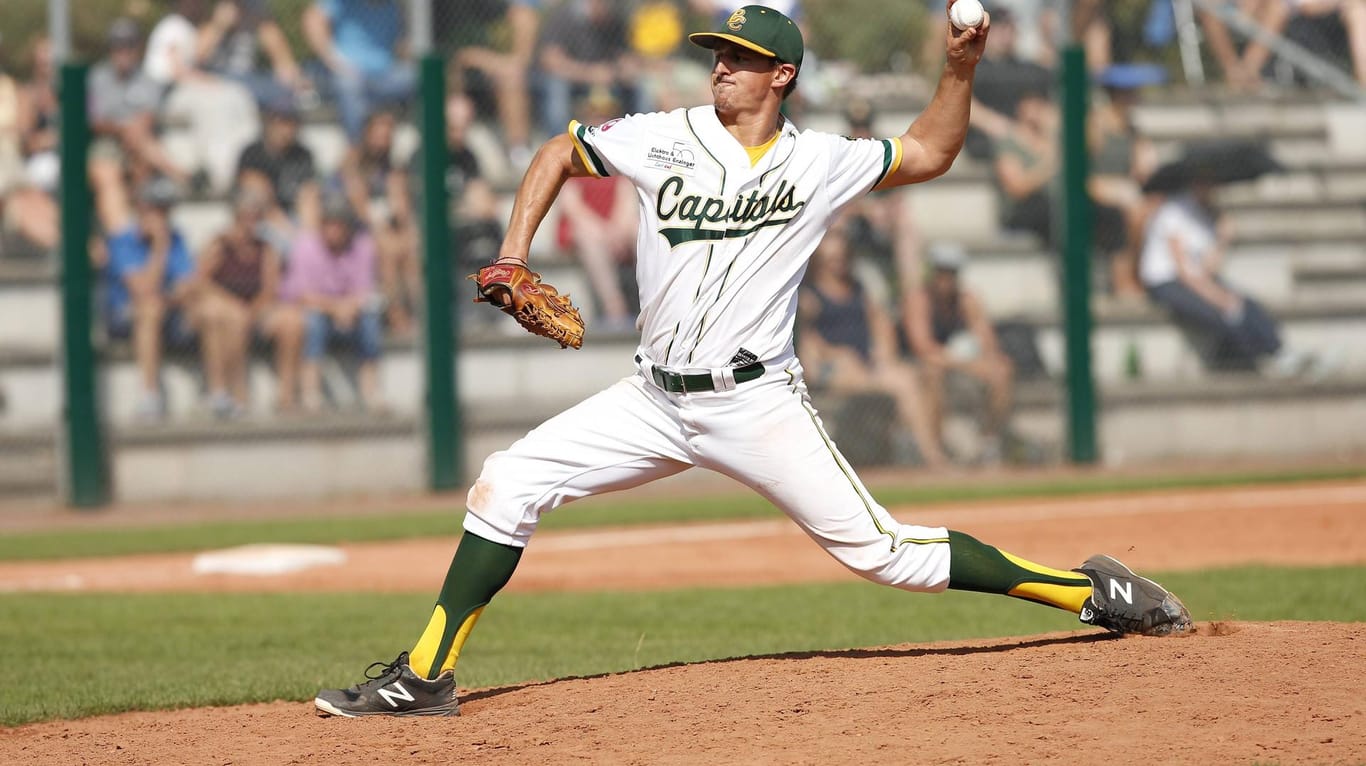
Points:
(848, 343)
(1327, 28)
(13, 115)
(1026, 167)
(473, 214)
(146, 281)
(951, 333)
(584, 48)
(669, 81)
(376, 186)
(490, 45)
(1187, 240)
(28, 214)
(236, 297)
(1121, 160)
(232, 43)
(1033, 30)
(597, 223)
(1091, 26)
(279, 166)
(880, 227)
(1026, 164)
(331, 276)
(360, 45)
(1004, 75)
(220, 114)
(39, 135)
(126, 151)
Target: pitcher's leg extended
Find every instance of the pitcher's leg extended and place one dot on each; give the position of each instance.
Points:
(782, 451)
(615, 440)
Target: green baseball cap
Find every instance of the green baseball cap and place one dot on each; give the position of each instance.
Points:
(762, 30)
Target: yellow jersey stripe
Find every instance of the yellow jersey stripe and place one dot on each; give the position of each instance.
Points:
(590, 158)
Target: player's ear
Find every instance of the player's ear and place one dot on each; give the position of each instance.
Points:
(785, 74)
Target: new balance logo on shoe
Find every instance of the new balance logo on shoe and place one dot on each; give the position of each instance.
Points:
(1126, 590)
(399, 693)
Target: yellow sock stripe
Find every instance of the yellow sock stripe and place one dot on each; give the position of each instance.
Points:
(461, 635)
(423, 656)
(1076, 577)
(1069, 595)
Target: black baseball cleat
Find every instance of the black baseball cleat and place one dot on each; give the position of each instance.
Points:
(1123, 602)
(396, 691)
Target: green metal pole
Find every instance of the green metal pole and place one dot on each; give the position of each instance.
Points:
(83, 439)
(442, 347)
(1076, 226)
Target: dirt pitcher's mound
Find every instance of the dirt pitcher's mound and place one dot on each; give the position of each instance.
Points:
(1235, 693)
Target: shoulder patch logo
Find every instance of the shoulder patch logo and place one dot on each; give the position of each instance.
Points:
(606, 126)
(736, 20)
(679, 158)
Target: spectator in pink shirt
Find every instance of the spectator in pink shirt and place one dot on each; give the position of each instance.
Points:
(332, 277)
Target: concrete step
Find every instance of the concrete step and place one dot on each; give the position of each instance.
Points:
(28, 467)
(1344, 281)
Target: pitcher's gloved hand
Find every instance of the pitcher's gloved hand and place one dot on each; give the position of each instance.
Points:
(519, 293)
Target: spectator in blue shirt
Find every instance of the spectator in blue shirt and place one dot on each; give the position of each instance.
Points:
(146, 280)
(359, 43)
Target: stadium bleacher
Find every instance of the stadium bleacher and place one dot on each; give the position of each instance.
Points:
(1301, 248)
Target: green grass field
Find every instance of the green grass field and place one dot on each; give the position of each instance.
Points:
(80, 655)
(611, 510)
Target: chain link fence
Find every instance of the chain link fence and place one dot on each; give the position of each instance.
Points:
(257, 230)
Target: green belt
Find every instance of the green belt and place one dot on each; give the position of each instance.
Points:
(679, 383)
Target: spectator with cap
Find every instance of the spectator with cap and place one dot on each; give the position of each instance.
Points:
(951, 334)
(147, 279)
(848, 342)
(280, 166)
(236, 299)
(331, 277)
(360, 44)
(126, 151)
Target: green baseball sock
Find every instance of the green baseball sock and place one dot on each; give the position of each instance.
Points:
(976, 566)
(479, 569)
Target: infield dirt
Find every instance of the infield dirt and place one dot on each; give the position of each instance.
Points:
(1232, 693)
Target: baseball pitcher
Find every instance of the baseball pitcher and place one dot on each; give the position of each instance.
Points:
(733, 200)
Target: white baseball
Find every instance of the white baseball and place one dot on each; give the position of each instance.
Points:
(966, 14)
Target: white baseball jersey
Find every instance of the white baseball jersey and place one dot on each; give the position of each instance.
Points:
(722, 246)
(722, 249)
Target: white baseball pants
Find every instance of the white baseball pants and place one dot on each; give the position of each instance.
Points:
(763, 433)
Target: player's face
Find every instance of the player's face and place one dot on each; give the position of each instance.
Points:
(740, 77)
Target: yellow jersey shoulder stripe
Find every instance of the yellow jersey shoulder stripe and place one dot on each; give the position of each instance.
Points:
(891, 159)
(590, 158)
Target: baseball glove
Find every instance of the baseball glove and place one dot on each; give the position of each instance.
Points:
(519, 293)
